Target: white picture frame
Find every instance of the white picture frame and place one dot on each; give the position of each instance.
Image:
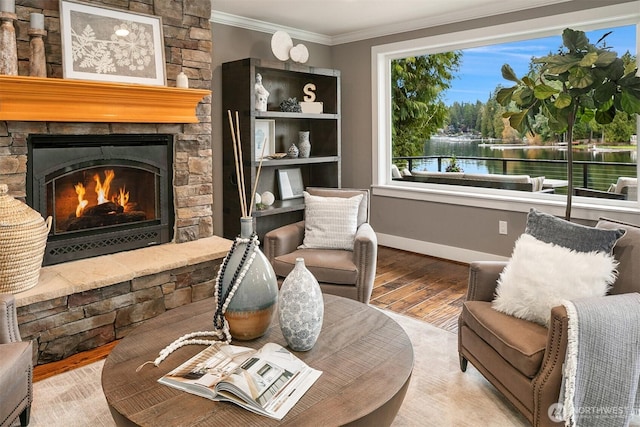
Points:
(264, 136)
(290, 183)
(91, 49)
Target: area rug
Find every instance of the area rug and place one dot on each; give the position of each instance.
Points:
(439, 393)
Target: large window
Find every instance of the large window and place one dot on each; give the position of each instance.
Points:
(470, 132)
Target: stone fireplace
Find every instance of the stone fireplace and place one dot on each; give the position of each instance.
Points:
(80, 304)
(104, 193)
(57, 106)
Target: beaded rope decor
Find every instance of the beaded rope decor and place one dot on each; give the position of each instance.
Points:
(220, 324)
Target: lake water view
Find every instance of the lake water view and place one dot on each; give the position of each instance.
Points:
(600, 176)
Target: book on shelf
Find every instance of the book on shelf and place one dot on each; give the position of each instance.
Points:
(268, 381)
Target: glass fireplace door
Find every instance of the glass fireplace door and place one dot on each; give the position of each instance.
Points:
(102, 196)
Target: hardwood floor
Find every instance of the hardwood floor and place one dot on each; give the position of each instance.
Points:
(415, 285)
(42, 372)
(419, 286)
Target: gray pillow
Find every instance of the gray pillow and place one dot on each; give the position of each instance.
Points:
(580, 238)
(330, 222)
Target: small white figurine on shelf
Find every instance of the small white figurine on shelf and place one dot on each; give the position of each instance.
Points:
(267, 198)
(262, 94)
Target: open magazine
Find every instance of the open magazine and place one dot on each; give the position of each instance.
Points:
(268, 381)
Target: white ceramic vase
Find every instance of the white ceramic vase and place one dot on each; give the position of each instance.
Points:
(300, 308)
(304, 145)
(293, 152)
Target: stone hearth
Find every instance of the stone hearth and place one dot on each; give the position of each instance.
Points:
(84, 304)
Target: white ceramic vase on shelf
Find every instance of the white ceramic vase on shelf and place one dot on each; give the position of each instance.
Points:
(304, 145)
(300, 308)
(182, 81)
(293, 152)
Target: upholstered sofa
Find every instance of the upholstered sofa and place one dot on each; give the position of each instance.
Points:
(487, 180)
(522, 359)
(16, 369)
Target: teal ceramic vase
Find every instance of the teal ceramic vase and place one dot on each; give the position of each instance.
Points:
(253, 303)
(300, 308)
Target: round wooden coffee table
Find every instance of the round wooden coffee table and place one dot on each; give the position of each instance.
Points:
(365, 356)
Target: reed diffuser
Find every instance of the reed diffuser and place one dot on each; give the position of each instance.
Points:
(246, 290)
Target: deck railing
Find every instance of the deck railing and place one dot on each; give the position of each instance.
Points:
(587, 174)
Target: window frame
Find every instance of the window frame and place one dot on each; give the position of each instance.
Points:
(381, 57)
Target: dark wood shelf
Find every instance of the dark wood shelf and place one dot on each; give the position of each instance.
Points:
(297, 161)
(287, 115)
(281, 206)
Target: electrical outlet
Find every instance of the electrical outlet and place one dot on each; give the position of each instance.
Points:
(502, 227)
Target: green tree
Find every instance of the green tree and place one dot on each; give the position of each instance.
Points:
(623, 124)
(620, 129)
(417, 85)
(465, 117)
(582, 82)
(491, 121)
(479, 109)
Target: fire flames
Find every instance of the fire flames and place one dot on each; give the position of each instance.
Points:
(102, 190)
(82, 203)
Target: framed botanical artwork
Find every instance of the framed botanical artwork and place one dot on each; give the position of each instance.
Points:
(111, 45)
(264, 138)
(290, 183)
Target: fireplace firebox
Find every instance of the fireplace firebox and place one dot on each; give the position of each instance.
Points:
(105, 193)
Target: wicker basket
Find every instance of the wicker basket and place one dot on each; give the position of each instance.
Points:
(23, 237)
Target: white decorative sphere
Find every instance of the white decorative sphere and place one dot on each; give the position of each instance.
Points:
(299, 53)
(281, 44)
(268, 198)
(257, 198)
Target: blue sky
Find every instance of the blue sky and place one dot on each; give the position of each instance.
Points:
(480, 70)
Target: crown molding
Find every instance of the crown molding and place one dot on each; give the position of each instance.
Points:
(389, 29)
(443, 19)
(267, 27)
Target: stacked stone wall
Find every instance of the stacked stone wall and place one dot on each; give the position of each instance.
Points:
(64, 326)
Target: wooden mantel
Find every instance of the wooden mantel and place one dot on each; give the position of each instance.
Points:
(62, 100)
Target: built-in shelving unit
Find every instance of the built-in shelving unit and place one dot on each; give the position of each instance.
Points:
(322, 169)
(41, 99)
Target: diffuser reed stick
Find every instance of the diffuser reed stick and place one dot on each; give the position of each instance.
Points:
(255, 184)
(244, 190)
(239, 164)
(239, 177)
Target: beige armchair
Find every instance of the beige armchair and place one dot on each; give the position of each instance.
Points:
(16, 369)
(347, 273)
(523, 360)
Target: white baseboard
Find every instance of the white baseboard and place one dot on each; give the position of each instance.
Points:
(436, 250)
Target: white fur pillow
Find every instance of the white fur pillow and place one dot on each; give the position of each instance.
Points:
(330, 222)
(539, 276)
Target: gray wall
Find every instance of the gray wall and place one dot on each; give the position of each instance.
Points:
(471, 229)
